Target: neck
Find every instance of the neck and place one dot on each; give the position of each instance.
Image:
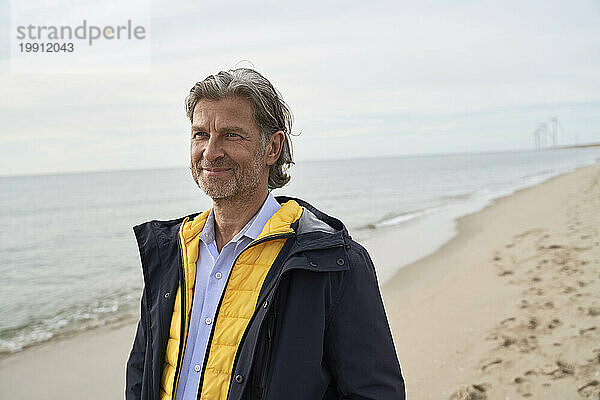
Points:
(232, 214)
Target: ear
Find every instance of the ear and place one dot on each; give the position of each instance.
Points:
(274, 147)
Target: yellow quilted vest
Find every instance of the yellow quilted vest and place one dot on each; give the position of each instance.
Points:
(237, 305)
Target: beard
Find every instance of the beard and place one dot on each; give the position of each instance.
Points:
(243, 181)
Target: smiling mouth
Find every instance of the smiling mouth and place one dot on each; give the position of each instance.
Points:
(216, 171)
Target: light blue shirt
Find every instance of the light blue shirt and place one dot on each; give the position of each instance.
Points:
(212, 272)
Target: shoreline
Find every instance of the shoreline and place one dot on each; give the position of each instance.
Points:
(70, 335)
(437, 228)
(423, 299)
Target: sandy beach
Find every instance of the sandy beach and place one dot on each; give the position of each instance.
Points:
(507, 309)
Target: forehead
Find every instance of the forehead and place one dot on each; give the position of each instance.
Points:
(227, 110)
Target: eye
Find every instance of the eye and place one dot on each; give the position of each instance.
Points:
(232, 135)
(199, 135)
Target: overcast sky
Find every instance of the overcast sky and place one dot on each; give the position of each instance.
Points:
(369, 78)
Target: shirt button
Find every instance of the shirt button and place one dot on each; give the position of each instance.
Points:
(197, 368)
(208, 321)
(218, 275)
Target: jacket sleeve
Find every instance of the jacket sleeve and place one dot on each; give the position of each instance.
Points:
(135, 363)
(361, 352)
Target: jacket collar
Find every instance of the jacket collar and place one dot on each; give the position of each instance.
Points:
(280, 223)
(251, 230)
(312, 229)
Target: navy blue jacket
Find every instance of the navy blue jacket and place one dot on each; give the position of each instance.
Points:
(319, 330)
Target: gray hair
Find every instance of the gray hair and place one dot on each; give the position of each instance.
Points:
(271, 113)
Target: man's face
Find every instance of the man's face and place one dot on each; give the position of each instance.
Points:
(227, 156)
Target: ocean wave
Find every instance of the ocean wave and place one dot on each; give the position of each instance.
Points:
(99, 313)
(408, 216)
(478, 198)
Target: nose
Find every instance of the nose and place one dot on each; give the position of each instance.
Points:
(213, 149)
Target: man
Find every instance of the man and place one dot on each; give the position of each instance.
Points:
(256, 298)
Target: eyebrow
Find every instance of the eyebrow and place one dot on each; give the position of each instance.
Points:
(231, 128)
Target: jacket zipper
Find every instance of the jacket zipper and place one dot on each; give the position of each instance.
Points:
(250, 245)
(182, 334)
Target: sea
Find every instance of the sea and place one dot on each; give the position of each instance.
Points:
(69, 260)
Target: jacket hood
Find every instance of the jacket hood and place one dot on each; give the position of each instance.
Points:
(315, 219)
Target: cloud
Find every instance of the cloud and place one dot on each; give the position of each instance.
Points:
(429, 76)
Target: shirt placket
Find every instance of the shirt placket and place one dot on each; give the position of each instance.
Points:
(216, 281)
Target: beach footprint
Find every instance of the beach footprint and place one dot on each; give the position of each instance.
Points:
(590, 390)
(471, 392)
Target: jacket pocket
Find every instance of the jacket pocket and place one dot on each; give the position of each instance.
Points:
(263, 358)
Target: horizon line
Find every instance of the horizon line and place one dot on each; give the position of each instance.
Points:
(134, 169)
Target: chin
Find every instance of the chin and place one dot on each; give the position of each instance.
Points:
(218, 191)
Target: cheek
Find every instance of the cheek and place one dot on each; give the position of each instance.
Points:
(195, 152)
(236, 152)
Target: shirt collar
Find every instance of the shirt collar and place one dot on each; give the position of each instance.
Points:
(251, 230)
(258, 222)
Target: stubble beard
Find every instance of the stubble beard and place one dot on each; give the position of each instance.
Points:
(241, 183)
